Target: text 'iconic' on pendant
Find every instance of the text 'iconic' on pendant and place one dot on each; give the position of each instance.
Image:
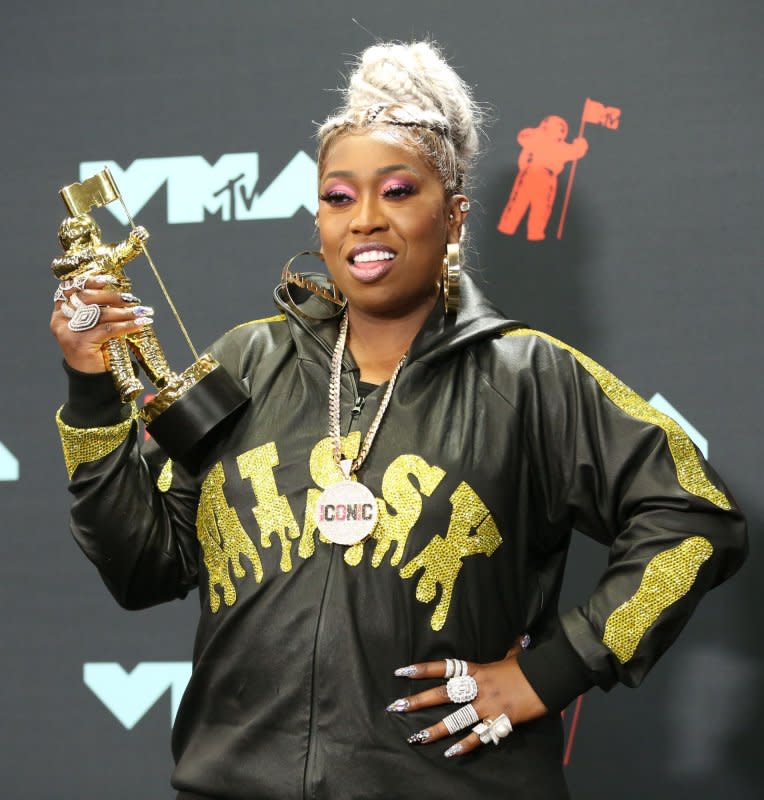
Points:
(346, 512)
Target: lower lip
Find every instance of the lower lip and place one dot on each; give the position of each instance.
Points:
(370, 271)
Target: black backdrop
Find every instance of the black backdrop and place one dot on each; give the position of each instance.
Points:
(657, 276)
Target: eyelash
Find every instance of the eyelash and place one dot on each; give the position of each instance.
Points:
(342, 198)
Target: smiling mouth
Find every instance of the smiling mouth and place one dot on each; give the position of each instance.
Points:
(371, 265)
(372, 257)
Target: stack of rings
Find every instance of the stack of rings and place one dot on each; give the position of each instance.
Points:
(461, 688)
(81, 316)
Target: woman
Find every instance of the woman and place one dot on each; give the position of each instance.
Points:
(319, 665)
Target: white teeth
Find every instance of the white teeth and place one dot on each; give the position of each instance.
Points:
(373, 255)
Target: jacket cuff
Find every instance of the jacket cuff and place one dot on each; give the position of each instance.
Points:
(555, 671)
(93, 400)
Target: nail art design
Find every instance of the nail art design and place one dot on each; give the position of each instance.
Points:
(455, 749)
(128, 297)
(418, 737)
(405, 672)
(143, 311)
(399, 705)
(144, 321)
(102, 279)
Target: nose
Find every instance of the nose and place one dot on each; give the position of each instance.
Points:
(369, 216)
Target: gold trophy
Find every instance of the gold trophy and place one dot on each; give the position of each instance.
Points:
(188, 405)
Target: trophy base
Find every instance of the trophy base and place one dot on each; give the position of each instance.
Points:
(191, 406)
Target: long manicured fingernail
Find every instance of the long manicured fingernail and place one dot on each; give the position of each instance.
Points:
(399, 705)
(418, 737)
(143, 311)
(128, 297)
(454, 750)
(405, 672)
(144, 321)
(102, 279)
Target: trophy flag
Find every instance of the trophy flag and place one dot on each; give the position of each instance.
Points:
(595, 114)
(98, 190)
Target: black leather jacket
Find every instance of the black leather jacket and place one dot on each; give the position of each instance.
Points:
(498, 441)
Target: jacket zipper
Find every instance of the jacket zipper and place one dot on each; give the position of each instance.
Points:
(355, 411)
(309, 776)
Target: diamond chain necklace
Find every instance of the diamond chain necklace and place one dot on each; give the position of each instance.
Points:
(349, 467)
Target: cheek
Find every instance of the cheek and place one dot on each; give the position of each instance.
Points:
(427, 234)
(329, 235)
(425, 228)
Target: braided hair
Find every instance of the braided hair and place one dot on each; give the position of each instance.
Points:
(410, 92)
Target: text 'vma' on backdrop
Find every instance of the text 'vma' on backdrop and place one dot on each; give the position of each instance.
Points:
(226, 189)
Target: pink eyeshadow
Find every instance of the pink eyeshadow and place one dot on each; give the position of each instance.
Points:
(339, 187)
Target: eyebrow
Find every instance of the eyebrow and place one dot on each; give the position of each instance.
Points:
(380, 171)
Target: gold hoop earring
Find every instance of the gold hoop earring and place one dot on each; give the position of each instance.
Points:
(450, 277)
(306, 281)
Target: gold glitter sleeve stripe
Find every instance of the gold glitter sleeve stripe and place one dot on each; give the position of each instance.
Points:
(164, 480)
(262, 321)
(689, 470)
(89, 444)
(668, 577)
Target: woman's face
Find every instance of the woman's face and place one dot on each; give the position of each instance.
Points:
(384, 222)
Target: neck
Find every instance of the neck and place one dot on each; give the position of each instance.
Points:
(378, 343)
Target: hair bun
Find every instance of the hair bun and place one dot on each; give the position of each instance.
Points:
(416, 75)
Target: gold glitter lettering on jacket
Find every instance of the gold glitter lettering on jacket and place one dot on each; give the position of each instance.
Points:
(223, 539)
(441, 559)
(324, 472)
(81, 445)
(406, 480)
(406, 501)
(689, 470)
(272, 512)
(667, 578)
(400, 495)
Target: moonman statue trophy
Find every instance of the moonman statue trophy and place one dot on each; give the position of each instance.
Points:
(188, 405)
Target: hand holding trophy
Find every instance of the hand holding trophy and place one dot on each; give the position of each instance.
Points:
(188, 405)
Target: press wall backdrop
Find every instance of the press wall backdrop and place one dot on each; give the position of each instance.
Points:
(639, 245)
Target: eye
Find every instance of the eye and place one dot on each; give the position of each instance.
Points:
(398, 190)
(335, 197)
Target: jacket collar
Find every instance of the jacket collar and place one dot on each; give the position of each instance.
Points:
(440, 336)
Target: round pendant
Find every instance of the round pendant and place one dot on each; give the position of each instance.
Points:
(346, 512)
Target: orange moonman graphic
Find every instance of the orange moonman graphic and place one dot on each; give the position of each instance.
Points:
(542, 158)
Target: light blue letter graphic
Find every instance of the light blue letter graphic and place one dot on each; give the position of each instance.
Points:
(659, 401)
(9, 465)
(130, 695)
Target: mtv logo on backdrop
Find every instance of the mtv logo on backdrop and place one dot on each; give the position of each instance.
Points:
(197, 189)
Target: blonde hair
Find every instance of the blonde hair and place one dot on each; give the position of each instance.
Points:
(411, 92)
